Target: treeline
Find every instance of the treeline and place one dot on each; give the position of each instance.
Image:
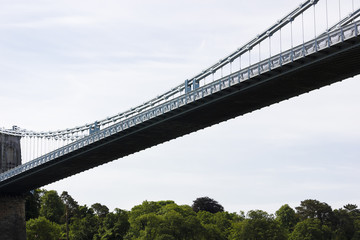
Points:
(53, 216)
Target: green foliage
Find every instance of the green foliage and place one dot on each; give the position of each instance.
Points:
(217, 225)
(85, 225)
(345, 221)
(61, 217)
(71, 209)
(287, 217)
(71, 206)
(310, 229)
(163, 220)
(32, 204)
(42, 229)
(356, 235)
(114, 226)
(314, 209)
(100, 210)
(52, 206)
(258, 225)
(207, 204)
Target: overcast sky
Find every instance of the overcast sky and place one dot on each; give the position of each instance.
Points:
(67, 63)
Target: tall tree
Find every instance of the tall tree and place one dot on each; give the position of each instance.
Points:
(207, 204)
(314, 209)
(217, 225)
(346, 222)
(85, 225)
(258, 225)
(310, 229)
(114, 226)
(71, 208)
(100, 210)
(42, 229)
(164, 220)
(52, 206)
(287, 217)
(32, 204)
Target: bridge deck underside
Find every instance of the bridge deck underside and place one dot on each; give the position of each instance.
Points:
(317, 70)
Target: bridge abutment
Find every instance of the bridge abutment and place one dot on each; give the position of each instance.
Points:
(12, 207)
(12, 218)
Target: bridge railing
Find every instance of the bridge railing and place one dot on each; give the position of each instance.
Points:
(325, 41)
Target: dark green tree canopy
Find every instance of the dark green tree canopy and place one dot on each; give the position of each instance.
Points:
(69, 202)
(61, 217)
(207, 204)
(32, 204)
(42, 229)
(100, 210)
(287, 217)
(52, 206)
(114, 226)
(314, 209)
(310, 229)
(258, 225)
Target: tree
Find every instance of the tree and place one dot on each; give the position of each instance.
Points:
(287, 217)
(114, 226)
(207, 204)
(258, 225)
(217, 225)
(85, 225)
(32, 204)
(100, 210)
(314, 209)
(357, 230)
(71, 208)
(164, 220)
(42, 229)
(352, 208)
(180, 222)
(52, 206)
(345, 222)
(310, 229)
(70, 204)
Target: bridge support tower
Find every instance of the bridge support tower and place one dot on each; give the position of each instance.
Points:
(12, 207)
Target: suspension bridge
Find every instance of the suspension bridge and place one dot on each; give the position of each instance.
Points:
(259, 73)
(241, 82)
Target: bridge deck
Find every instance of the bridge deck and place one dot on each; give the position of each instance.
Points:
(315, 71)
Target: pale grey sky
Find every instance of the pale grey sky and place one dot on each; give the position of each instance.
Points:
(67, 63)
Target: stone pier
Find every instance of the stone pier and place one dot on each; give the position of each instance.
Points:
(12, 207)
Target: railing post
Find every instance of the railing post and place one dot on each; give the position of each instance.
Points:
(195, 84)
(269, 64)
(187, 86)
(356, 29)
